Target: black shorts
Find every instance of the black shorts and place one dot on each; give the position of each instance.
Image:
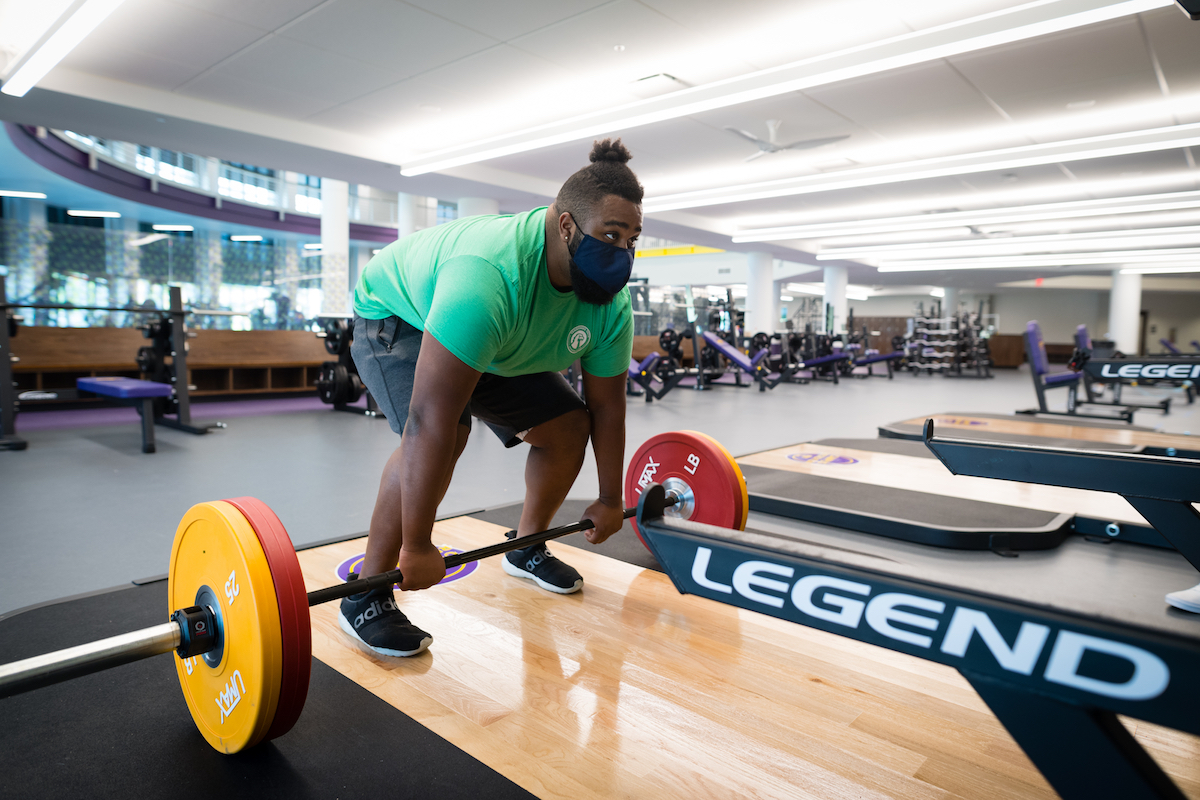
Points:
(385, 352)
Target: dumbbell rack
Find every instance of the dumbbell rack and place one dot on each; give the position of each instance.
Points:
(972, 352)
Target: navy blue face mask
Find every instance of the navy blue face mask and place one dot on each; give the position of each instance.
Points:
(606, 264)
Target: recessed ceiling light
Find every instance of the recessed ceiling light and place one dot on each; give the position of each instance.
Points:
(620, 48)
(79, 212)
(27, 195)
(177, 228)
(246, 238)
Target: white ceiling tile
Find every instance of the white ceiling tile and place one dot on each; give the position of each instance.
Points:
(1109, 95)
(176, 33)
(1176, 42)
(404, 104)
(918, 90)
(586, 42)
(230, 90)
(388, 34)
(509, 19)
(768, 33)
(265, 14)
(283, 64)
(1062, 62)
(497, 69)
(131, 66)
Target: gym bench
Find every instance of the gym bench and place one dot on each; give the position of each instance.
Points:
(130, 392)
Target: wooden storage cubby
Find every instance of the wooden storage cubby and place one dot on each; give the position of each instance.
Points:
(219, 362)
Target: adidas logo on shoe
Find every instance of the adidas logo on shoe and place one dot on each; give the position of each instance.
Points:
(539, 565)
(374, 610)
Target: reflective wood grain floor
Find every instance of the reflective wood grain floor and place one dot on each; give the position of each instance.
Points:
(1056, 430)
(629, 689)
(932, 477)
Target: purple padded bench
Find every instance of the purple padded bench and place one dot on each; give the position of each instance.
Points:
(132, 392)
(751, 366)
(875, 358)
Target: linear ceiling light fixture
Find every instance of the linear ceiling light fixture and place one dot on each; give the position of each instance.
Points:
(71, 28)
(1170, 256)
(1106, 146)
(250, 237)
(81, 212)
(1159, 270)
(942, 41)
(1020, 245)
(174, 228)
(1173, 201)
(26, 195)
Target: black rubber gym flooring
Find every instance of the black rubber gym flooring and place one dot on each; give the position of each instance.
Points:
(127, 732)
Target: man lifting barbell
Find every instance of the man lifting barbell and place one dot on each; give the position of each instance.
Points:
(478, 318)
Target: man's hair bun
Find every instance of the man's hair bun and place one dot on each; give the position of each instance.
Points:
(609, 150)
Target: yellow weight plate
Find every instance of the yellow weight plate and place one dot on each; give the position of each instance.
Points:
(233, 691)
(737, 471)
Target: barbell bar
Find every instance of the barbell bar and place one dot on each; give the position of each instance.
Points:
(241, 629)
(182, 635)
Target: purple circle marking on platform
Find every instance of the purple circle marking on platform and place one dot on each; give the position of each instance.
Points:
(822, 458)
(351, 565)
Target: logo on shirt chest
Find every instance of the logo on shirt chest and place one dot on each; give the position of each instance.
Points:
(578, 338)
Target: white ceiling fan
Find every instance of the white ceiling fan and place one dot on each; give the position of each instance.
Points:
(772, 145)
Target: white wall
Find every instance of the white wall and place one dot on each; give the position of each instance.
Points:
(891, 305)
(1178, 310)
(1058, 311)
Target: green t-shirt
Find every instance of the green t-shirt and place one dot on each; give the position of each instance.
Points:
(479, 285)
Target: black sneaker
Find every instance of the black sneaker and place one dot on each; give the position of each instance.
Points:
(373, 618)
(540, 566)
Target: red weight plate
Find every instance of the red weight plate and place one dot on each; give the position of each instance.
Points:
(738, 476)
(683, 459)
(732, 474)
(295, 625)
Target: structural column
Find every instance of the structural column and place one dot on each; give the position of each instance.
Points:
(477, 206)
(761, 297)
(836, 279)
(1125, 311)
(949, 301)
(407, 214)
(335, 246)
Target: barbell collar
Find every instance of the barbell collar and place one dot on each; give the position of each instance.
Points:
(62, 665)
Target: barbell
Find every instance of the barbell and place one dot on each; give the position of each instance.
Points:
(240, 625)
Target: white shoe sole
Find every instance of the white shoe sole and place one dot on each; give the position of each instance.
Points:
(517, 572)
(383, 651)
(1187, 599)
